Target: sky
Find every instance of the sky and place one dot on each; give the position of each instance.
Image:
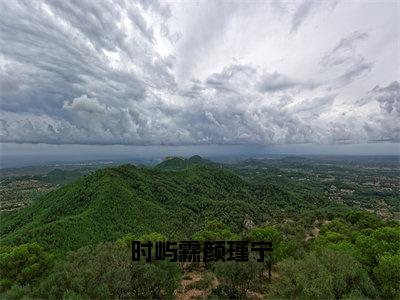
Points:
(102, 74)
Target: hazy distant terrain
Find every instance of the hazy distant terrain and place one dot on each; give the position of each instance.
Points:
(370, 182)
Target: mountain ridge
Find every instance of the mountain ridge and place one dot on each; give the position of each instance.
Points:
(112, 202)
(180, 163)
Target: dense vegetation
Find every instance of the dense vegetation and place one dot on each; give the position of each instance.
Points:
(74, 242)
(115, 201)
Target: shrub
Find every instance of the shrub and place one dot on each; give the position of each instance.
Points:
(236, 278)
(106, 271)
(387, 275)
(23, 265)
(323, 275)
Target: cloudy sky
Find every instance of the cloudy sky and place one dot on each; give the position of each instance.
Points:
(199, 73)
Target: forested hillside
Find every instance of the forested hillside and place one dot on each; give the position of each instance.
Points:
(74, 242)
(111, 202)
(180, 163)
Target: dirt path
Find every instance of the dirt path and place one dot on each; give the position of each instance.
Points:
(182, 293)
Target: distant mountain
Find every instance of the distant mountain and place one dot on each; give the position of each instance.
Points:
(287, 161)
(180, 163)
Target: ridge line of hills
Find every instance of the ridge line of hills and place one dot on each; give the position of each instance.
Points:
(180, 163)
(172, 198)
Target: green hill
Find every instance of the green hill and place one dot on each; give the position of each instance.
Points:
(112, 202)
(331, 242)
(180, 163)
(115, 201)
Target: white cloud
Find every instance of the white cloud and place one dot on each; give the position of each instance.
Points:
(148, 72)
(85, 104)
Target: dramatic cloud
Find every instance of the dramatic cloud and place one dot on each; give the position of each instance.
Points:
(388, 97)
(345, 50)
(85, 104)
(209, 72)
(302, 12)
(345, 59)
(279, 82)
(356, 69)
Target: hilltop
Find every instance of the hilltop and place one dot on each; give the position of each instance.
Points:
(180, 163)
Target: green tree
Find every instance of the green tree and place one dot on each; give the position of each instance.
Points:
(269, 234)
(152, 237)
(105, 272)
(324, 274)
(374, 243)
(329, 239)
(17, 292)
(237, 278)
(362, 219)
(23, 265)
(215, 230)
(307, 278)
(387, 275)
(348, 275)
(336, 225)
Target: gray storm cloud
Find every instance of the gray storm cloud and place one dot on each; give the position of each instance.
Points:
(150, 73)
(85, 104)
